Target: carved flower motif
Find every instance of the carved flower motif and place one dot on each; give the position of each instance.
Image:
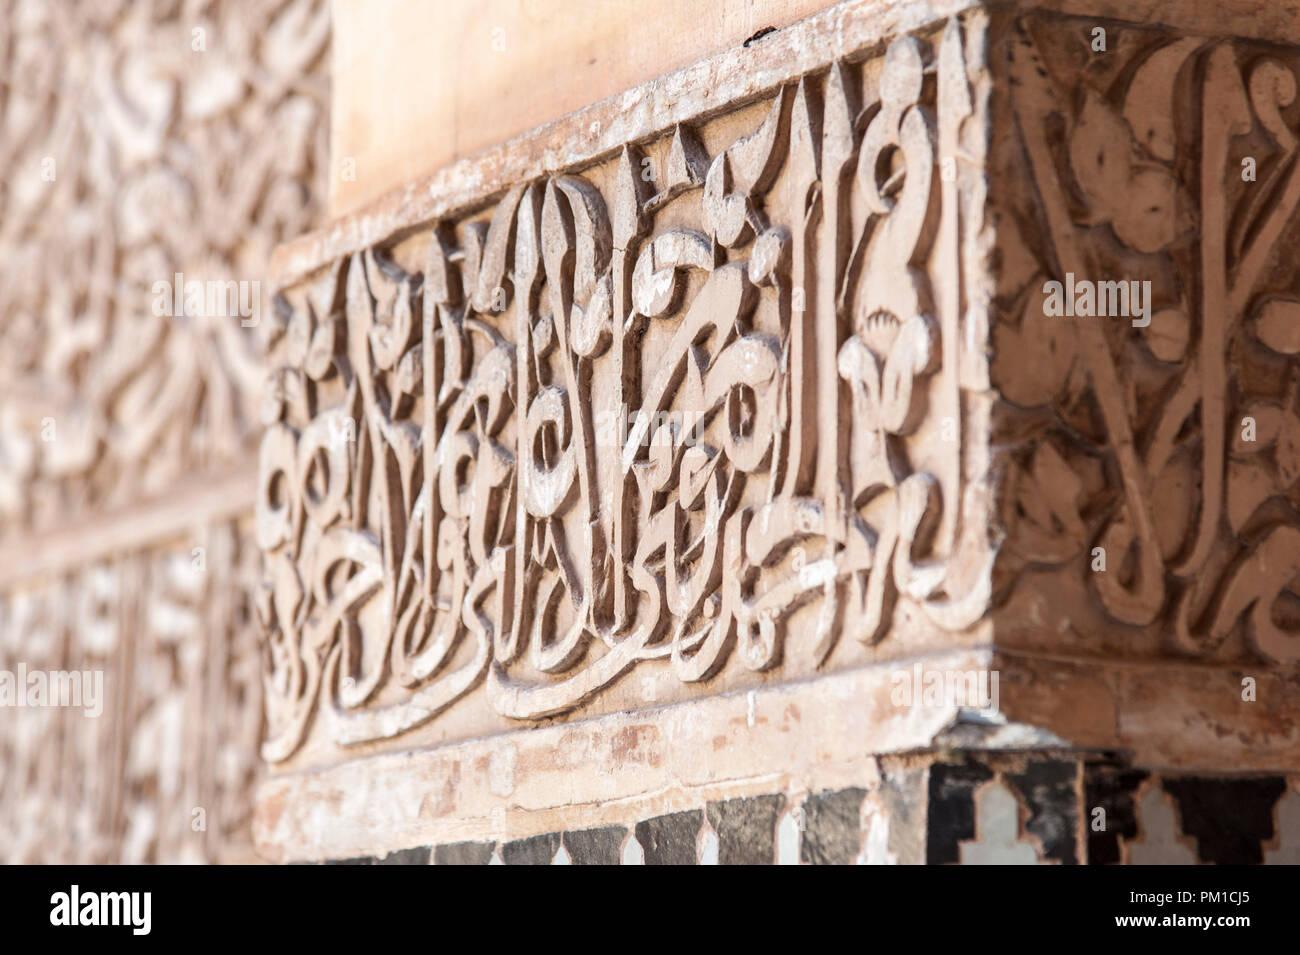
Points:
(1267, 460)
(1145, 205)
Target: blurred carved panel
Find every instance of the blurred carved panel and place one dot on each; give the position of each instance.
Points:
(145, 144)
(142, 141)
(161, 769)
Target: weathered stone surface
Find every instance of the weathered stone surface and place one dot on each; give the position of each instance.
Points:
(463, 853)
(670, 839)
(832, 828)
(746, 829)
(595, 846)
(895, 813)
(663, 761)
(535, 850)
(417, 856)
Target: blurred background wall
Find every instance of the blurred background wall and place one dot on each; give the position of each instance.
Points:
(474, 73)
(144, 142)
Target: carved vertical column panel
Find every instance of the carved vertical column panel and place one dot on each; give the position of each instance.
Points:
(1149, 499)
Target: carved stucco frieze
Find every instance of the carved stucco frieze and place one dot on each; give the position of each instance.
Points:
(707, 413)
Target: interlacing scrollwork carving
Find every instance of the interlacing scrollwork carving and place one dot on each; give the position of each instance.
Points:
(155, 147)
(692, 408)
(1156, 458)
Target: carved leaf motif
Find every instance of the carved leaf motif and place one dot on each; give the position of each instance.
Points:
(911, 354)
(390, 339)
(656, 280)
(410, 372)
(442, 284)
(757, 158)
(298, 337)
(770, 256)
(1042, 507)
(1149, 103)
(743, 173)
(326, 342)
(591, 327)
(594, 237)
(1151, 211)
(1099, 152)
(688, 163)
(1168, 333)
(1044, 350)
(1268, 421)
(1253, 587)
(1277, 325)
(492, 268)
(1144, 203)
(1272, 85)
(630, 195)
(588, 240)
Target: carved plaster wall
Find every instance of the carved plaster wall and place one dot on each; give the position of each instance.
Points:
(136, 156)
(708, 412)
(709, 407)
(1172, 445)
(140, 141)
(606, 480)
